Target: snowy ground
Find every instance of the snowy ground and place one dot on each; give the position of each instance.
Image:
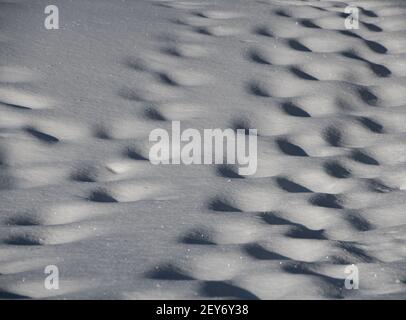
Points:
(77, 190)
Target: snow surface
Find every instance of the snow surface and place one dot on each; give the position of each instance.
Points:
(77, 190)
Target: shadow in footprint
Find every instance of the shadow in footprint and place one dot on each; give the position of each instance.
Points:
(85, 174)
(298, 268)
(377, 186)
(168, 272)
(336, 285)
(257, 57)
(369, 13)
(172, 51)
(258, 89)
(242, 124)
(332, 135)
(371, 124)
(296, 45)
(376, 47)
(372, 27)
(362, 157)
(166, 79)
(326, 200)
(3, 157)
(12, 296)
(134, 154)
(274, 219)
(102, 132)
(227, 172)
(352, 55)
(222, 289)
(282, 13)
(302, 232)
(290, 149)
(293, 110)
(378, 69)
(358, 221)
(131, 94)
(301, 74)
(6, 180)
(23, 240)
(297, 230)
(14, 106)
(101, 196)
(41, 135)
(309, 24)
(263, 31)
(290, 186)
(336, 170)
(257, 251)
(222, 206)
(199, 236)
(24, 220)
(153, 114)
(350, 33)
(353, 249)
(367, 96)
(137, 64)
